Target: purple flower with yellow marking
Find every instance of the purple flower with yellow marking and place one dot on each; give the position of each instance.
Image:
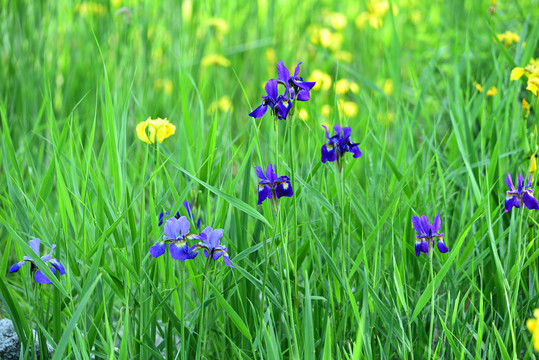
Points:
(38, 274)
(521, 194)
(427, 234)
(296, 87)
(339, 144)
(177, 234)
(279, 104)
(272, 186)
(211, 245)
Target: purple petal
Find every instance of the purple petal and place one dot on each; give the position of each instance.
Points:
(34, 245)
(437, 223)
(264, 192)
(260, 173)
(205, 234)
(282, 72)
(41, 278)
(48, 257)
(530, 184)
(58, 266)
(185, 225)
(17, 266)
(272, 89)
(327, 133)
(270, 173)
(198, 224)
(425, 224)
(158, 249)
(442, 247)
(161, 218)
(283, 188)
(180, 251)
(296, 70)
(520, 183)
(510, 202)
(214, 237)
(305, 85)
(337, 128)
(346, 132)
(303, 95)
(416, 222)
(226, 259)
(509, 182)
(282, 109)
(355, 150)
(217, 255)
(172, 229)
(425, 246)
(418, 248)
(328, 153)
(529, 201)
(187, 205)
(259, 111)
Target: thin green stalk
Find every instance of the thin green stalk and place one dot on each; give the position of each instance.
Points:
(433, 299)
(201, 327)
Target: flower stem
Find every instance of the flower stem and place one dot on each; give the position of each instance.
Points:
(433, 299)
(201, 327)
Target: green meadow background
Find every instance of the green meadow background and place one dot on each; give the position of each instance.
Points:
(342, 278)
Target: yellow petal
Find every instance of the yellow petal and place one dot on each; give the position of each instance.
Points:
(533, 165)
(531, 324)
(141, 131)
(479, 87)
(517, 73)
(492, 91)
(533, 85)
(525, 107)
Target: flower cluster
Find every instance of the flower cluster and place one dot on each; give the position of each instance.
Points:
(272, 186)
(520, 194)
(295, 88)
(177, 234)
(339, 144)
(532, 74)
(427, 234)
(38, 274)
(161, 128)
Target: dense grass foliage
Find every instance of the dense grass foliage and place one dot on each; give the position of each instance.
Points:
(330, 273)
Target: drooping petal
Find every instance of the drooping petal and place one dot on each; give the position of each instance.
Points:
(418, 248)
(41, 278)
(510, 202)
(165, 130)
(516, 73)
(441, 246)
(328, 153)
(34, 245)
(304, 85)
(259, 111)
(141, 131)
(303, 95)
(215, 238)
(48, 257)
(172, 229)
(17, 266)
(260, 173)
(282, 109)
(355, 151)
(425, 246)
(226, 259)
(509, 182)
(264, 192)
(180, 251)
(158, 249)
(217, 255)
(283, 187)
(58, 266)
(530, 201)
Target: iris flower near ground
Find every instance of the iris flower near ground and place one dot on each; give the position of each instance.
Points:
(339, 144)
(38, 275)
(212, 246)
(272, 186)
(521, 194)
(177, 234)
(427, 234)
(161, 128)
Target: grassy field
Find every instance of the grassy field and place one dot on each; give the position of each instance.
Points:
(328, 273)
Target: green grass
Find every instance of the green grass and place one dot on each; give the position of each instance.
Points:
(336, 263)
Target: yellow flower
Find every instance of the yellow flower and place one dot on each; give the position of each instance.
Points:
(533, 327)
(330, 40)
(303, 114)
(374, 14)
(349, 108)
(89, 8)
(525, 108)
(533, 85)
(215, 59)
(343, 86)
(162, 127)
(492, 91)
(323, 80)
(479, 87)
(517, 73)
(335, 20)
(158, 85)
(270, 56)
(325, 110)
(533, 165)
(220, 25)
(168, 86)
(343, 56)
(388, 87)
(508, 38)
(224, 104)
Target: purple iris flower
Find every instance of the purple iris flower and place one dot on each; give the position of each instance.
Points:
(212, 246)
(298, 88)
(38, 275)
(162, 217)
(187, 205)
(339, 144)
(524, 194)
(272, 186)
(279, 104)
(176, 233)
(428, 233)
